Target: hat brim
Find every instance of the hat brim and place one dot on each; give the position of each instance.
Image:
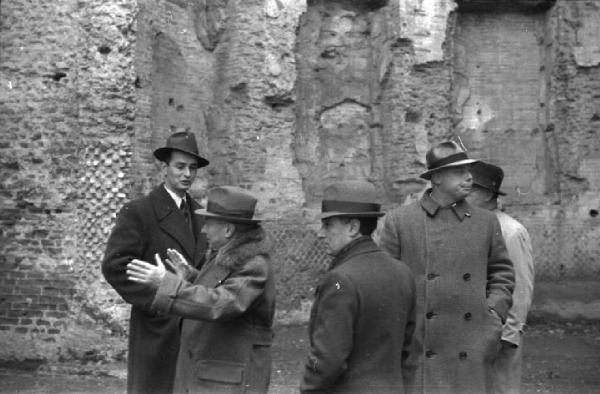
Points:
(231, 219)
(427, 174)
(499, 192)
(161, 154)
(325, 215)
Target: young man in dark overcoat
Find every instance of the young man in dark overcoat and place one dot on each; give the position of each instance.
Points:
(362, 319)
(145, 227)
(464, 276)
(227, 306)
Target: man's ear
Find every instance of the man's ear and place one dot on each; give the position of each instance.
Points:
(354, 227)
(229, 229)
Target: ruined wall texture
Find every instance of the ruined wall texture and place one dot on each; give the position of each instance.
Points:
(285, 96)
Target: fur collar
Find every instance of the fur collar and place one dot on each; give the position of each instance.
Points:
(243, 247)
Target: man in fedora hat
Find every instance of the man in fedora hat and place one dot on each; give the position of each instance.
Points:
(362, 319)
(463, 273)
(227, 306)
(487, 179)
(147, 226)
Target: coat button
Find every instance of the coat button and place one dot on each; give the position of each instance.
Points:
(429, 315)
(462, 355)
(429, 353)
(467, 277)
(431, 276)
(468, 316)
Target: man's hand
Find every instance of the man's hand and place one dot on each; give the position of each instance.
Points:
(146, 273)
(177, 263)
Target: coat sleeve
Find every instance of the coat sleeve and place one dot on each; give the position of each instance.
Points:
(231, 298)
(500, 273)
(520, 252)
(331, 333)
(128, 240)
(388, 237)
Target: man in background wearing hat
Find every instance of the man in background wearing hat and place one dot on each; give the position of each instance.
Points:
(362, 319)
(487, 179)
(147, 226)
(463, 273)
(227, 306)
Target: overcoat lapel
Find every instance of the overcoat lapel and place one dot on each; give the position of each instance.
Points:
(171, 222)
(201, 245)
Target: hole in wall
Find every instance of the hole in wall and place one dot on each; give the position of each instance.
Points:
(104, 49)
(593, 213)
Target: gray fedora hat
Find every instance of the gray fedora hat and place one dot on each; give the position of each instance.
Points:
(444, 155)
(350, 198)
(183, 141)
(231, 204)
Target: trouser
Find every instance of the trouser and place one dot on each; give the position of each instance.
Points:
(506, 370)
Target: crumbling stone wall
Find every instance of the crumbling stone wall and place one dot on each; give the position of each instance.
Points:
(284, 95)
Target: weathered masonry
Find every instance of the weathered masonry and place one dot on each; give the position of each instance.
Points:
(285, 95)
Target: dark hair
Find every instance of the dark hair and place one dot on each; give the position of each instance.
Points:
(245, 227)
(367, 225)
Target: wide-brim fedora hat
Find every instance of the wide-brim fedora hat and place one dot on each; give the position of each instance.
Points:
(183, 141)
(487, 176)
(351, 199)
(444, 155)
(231, 204)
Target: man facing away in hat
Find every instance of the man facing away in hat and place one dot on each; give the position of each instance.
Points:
(227, 306)
(487, 179)
(463, 273)
(145, 227)
(362, 319)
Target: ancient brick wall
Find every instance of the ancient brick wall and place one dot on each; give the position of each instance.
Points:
(284, 96)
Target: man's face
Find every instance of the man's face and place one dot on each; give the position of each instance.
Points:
(337, 232)
(479, 196)
(455, 181)
(180, 171)
(216, 232)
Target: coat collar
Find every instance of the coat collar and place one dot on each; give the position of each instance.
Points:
(171, 221)
(240, 249)
(361, 245)
(460, 208)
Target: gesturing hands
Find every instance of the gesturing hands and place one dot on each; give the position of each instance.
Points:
(143, 272)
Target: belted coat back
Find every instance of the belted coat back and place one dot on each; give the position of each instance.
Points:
(462, 272)
(144, 227)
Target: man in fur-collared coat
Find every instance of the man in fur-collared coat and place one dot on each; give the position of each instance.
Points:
(464, 277)
(147, 226)
(227, 306)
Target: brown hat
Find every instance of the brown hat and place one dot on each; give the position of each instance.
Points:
(487, 176)
(351, 199)
(444, 155)
(231, 204)
(183, 141)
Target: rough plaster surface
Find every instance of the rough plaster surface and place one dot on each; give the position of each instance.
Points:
(282, 95)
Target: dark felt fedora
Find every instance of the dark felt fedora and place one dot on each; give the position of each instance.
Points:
(487, 176)
(183, 141)
(350, 198)
(444, 155)
(231, 204)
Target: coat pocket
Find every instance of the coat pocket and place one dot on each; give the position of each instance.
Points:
(217, 375)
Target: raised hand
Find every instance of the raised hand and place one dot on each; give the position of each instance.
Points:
(177, 263)
(142, 272)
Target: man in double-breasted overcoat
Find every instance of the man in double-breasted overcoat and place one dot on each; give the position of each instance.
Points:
(362, 320)
(227, 306)
(464, 276)
(145, 227)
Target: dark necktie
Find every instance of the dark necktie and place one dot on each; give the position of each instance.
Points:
(183, 207)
